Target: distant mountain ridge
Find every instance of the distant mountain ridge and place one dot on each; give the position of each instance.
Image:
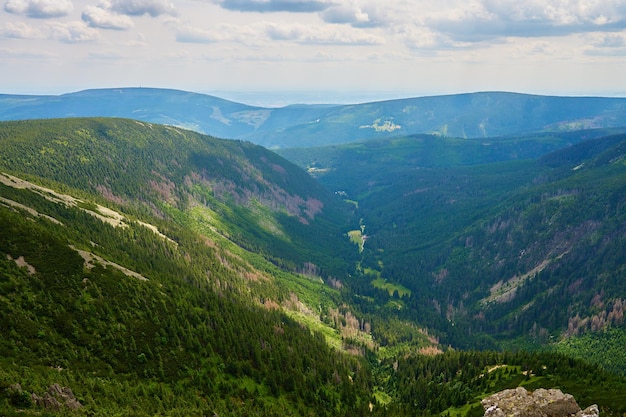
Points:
(468, 115)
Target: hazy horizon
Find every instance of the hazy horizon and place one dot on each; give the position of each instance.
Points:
(280, 98)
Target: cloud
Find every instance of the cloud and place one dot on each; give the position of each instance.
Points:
(114, 14)
(244, 34)
(491, 19)
(106, 55)
(97, 17)
(345, 13)
(152, 8)
(356, 15)
(267, 6)
(188, 34)
(21, 55)
(606, 52)
(609, 40)
(73, 32)
(19, 30)
(259, 33)
(330, 35)
(425, 41)
(40, 9)
(606, 44)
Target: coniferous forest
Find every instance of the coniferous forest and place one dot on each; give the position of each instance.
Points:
(151, 270)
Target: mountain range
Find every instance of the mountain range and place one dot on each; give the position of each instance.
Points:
(472, 115)
(150, 269)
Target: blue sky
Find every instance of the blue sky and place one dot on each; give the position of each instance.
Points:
(275, 52)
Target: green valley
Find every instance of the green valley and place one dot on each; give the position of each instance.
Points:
(492, 241)
(152, 270)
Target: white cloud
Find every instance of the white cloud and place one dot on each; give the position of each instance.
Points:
(105, 55)
(491, 19)
(606, 44)
(426, 41)
(73, 32)
(293, 43)
(40, 9)
(265, 34)
(269, 6)
(20, 30)
(7, 54)
(309, 34)
(606, 52)
(99, 17)
(345, 13)
(189, 34)
(359, 14)
(608, 40)
(152, 8)
(252, 34)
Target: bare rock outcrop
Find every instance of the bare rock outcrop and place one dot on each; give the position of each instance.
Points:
(56, 398)
(540, 403)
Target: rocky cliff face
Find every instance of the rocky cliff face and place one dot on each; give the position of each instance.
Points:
(540, 403)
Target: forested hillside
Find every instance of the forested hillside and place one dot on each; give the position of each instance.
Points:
(240, 190)
(149, 270)
(154, 270)
(172, 342)
(491, 244)
(137, 324)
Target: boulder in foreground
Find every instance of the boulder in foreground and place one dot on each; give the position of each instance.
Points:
(519, 402)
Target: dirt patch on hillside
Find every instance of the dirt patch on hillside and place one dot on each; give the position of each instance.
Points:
(504, 291)
(90, 258)
(21, 262)
(104, 214)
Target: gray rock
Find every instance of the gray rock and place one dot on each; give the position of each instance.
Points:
(56, 398)
(591, 411)
(519, 402)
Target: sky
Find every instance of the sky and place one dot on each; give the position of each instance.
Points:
(277, 52)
